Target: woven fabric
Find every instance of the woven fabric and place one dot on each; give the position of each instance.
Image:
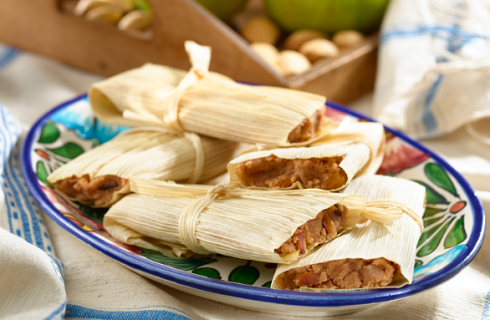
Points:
(434, 68)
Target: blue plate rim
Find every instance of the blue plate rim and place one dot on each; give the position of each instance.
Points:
(305, 299)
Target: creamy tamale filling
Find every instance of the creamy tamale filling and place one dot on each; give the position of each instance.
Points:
(341, 274)
(96, 191)
(307, 129)
(324, 227)
(273, 171)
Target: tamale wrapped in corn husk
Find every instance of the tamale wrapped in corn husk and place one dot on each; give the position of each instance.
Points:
(208, 103)
(100, 176)
(369, 255)
(259, 225)
(329, 163)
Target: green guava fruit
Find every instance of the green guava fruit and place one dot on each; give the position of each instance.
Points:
(223, 9)
(328, 16)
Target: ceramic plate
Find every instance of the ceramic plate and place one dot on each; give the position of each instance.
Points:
(454, 222)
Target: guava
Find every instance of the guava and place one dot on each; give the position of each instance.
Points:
(224, 9)
(328, 16)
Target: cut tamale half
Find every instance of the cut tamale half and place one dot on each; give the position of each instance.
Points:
(261, 225)
(329, 163)
(100, 176)
(208, 103)
(370, 255)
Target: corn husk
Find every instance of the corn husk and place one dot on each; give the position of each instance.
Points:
(371, 134)
(361, 145)
(241, 223)
(221, 179)
(152, 155)
(371, 240)
(202, 102)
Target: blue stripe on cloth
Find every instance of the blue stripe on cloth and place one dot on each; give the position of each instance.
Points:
(443, 32)
(8, 172)
(11, 136)
(18, 200)
(19, 181)
(427, 115)
(58, 267)
(486, 307)
(79, 312)
(58, 312)
(7, 56)
(6, 150)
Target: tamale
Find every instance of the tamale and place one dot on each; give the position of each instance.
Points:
(370, 255)
(100, 176)
(262, 225)
(208, 103)
(329, 163)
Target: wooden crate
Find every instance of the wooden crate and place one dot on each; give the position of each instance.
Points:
(41, 26)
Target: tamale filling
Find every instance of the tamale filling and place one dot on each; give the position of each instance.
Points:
(307, 129)
(324, 227)
(96, 191)
(341, 274)
(273, 171)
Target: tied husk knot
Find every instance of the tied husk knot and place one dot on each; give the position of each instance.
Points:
(200, 58)
(386, 211)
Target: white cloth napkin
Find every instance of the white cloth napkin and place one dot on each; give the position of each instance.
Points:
(434, 67)
(95, 287)
(30, 276)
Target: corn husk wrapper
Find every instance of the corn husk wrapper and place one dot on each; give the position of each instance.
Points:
(204, 102)
(372, 134)
(372, 240)
(361, 145)
(221, 179)
(152, 155)
(242, 223)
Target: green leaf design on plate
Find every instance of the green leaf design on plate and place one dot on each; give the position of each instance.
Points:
(418, 263)
(434, 242)
(207, 272)
(426, 234)
(246, 274)
(439, 176)
(42, 173)
(49, 133)
(267, 284)
(456, 235)
(431, 195)
(184, 264)
(431, 221)
(70, 150)
(96, 214)
(430, 212)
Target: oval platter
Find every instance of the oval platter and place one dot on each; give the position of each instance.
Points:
(454, 222)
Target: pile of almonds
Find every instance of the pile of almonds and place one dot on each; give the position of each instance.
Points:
(301, 49)
(122, 13)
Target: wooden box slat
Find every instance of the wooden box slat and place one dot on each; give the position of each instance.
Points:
(41, 26)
